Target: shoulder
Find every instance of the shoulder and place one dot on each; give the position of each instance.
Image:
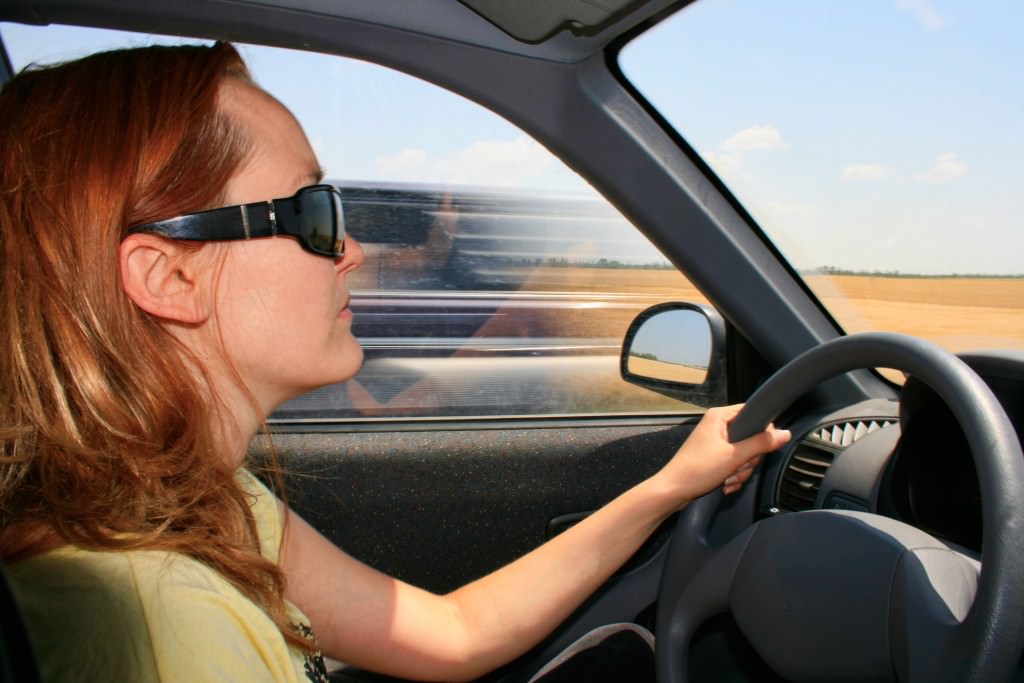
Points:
(75, 601)
(266, 510)
(143, 616)
(198, 622)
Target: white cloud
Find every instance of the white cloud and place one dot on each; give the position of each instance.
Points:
(947, 169)
(865, 172)
(924, 13)
(754, 138)
(724, 163)
(508, 163)
(405, 165)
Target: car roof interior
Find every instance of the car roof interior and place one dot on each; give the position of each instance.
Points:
(549, 68)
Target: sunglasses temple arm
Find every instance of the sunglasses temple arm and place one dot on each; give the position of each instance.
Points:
(259, 219)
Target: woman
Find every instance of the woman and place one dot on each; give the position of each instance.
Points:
(147, 340)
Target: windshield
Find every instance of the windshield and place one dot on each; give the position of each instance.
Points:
(879, 145)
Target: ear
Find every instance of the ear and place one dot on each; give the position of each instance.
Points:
(160, 278)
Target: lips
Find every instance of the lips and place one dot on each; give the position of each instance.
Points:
(345, 311)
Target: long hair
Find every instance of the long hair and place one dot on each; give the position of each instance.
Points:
(106, 439)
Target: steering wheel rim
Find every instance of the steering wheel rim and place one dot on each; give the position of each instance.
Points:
(989, 640)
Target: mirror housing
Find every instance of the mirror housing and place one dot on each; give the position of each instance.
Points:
(677, 349)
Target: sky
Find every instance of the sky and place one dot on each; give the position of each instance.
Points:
(682, 337)
(868, 134)
(882, 135)
(376, 124)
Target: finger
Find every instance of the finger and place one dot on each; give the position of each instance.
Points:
(743, 475)
(738, 478)
(749, 464)
(732, 487)
(762, 442)
(736, 481)
(780, 437)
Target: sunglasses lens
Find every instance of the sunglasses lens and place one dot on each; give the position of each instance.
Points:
(321, 222)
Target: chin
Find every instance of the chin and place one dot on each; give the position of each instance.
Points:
(350, 361)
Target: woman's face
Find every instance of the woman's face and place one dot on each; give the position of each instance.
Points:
(282, 313)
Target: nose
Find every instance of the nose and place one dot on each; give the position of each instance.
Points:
(352, 258)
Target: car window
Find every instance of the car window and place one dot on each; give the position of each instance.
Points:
(497, 282)
(878, 145)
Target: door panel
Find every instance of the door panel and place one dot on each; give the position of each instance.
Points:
(439, 508)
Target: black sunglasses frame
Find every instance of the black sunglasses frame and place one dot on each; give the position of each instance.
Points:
(259, 219)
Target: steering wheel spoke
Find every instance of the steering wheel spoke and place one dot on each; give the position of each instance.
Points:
(932, 592)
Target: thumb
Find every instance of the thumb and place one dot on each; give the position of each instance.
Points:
(762, 442)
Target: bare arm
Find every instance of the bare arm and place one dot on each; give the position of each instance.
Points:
(366, 618)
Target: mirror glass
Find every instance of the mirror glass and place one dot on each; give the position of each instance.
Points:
(672, 346)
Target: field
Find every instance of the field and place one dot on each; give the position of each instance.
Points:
(670, 371)
(956, 313)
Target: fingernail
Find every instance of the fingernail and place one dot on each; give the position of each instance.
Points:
(729, 481)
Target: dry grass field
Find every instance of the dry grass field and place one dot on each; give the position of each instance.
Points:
(956, 313)
(663, 284)
(670, 371)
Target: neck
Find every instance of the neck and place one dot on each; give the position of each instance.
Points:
(238, 412)
(237, 420)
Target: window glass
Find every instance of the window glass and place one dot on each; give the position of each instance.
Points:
(481, 294)
(878, 144)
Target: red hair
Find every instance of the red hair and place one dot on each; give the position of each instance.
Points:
(106, 439)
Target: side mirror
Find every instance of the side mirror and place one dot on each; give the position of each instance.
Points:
(677, 349)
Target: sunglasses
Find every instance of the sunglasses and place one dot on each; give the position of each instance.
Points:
(313, 216)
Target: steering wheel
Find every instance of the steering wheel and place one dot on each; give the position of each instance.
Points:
(836, 595)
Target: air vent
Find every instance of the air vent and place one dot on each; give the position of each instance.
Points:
(843, 434)
(812, 457)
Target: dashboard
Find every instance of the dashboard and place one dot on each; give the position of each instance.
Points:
(908, 460)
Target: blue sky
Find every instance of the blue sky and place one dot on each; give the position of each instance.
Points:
(366, 122)
(680, 337)
(875, 134)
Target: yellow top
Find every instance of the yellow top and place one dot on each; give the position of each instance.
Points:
(152, 615)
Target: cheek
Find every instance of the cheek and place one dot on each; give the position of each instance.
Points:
(288, 314)
(274, 278)
(265, 299)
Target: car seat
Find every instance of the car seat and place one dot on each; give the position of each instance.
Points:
(17, 662)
